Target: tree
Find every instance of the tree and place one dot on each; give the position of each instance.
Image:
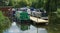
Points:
(22, 3)
(4, 2)
(51, 6)
(58, 3)
(33, 4)
(10, 3)
(38, 4)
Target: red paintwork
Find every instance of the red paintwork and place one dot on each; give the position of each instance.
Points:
(6, 10)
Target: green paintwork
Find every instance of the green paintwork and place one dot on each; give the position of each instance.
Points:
(22, 15)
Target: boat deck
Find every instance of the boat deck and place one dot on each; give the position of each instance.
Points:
(38, 20)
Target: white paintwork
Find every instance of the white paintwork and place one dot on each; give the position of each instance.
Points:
(38, 20)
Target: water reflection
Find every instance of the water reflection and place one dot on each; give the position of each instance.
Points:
(13, 29)
(54, 24)
(29, 28)
(25, 28)
(4, 27)
(54, 29)
(42, 30)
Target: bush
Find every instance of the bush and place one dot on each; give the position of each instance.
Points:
(4, 22)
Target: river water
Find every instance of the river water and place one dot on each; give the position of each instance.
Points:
(25, 28)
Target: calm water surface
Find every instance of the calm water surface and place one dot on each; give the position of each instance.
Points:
(25, 28)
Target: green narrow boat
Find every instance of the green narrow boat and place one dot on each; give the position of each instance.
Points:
(22, 16)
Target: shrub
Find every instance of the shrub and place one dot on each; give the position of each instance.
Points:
(4, 22)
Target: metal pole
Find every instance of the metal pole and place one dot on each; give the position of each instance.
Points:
(37, 21)
(37, 29)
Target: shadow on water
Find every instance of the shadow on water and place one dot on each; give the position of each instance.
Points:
(54, 24)
(23, 27)
(31, 28)
(26, 27)
(54, 29)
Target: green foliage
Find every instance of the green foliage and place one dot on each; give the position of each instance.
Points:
(53, 18)
(32, 3)
(51, 8)
(51, 5)
(38, 4)
(4, 2)
(24, 27)
(58, 3)
(54, 29)
(21, 4)
(10, 3)
(4, 22)
(58, 10)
